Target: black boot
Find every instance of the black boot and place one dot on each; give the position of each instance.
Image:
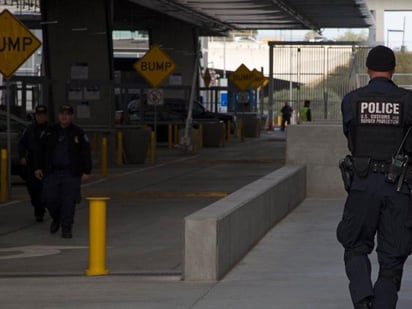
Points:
(67, 232)
(365, 303)
(54, 226)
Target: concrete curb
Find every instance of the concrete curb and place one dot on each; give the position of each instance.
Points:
(218, 236)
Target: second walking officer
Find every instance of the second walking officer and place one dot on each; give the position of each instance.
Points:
(65, 160)
(27, 148)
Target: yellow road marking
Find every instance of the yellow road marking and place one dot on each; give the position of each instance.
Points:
(160, 195)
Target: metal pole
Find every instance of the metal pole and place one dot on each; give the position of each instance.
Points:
(104, 156)
(8, 135)
(270, 112)
(153, 147)
(3, 176)
(186, 139)
(119, 148)
(403, 35)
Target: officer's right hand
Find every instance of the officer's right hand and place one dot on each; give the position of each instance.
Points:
(38, 174)
(86, 177)
(23, 161)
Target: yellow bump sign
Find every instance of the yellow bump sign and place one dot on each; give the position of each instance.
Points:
(17, 43)
(258, 79)
(155, 66)
(242, 77)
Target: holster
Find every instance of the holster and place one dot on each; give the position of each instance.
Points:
(347, 170)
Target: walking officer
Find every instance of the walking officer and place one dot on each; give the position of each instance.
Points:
(27, 148)
(64, 162)
(376, 122)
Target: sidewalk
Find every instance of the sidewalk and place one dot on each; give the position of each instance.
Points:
(298, 264)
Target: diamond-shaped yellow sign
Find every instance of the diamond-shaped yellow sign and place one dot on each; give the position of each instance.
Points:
(242, 77)
(155, 66)
(17, 43)
(258, 79)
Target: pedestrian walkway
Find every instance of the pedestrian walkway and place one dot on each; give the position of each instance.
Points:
(298, 264)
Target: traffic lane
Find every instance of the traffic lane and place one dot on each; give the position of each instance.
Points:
(145, 216)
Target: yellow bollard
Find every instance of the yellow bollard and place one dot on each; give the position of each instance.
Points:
(170, 136)
(241, 130)
(176, 134)
(200, 135)
(104, 156)
(279, 120)
(153, 148)
(97, 236)
(4, 192)
(119, 148)
(223, 135)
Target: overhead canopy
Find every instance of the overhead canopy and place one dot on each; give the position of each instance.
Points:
(223, 15)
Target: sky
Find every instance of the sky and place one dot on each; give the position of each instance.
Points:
(396, 32)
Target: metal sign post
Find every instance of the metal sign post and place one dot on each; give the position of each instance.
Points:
(8, 135)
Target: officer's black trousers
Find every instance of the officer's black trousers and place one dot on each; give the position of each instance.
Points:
(61, 193)
(35, 188)
(374, 207)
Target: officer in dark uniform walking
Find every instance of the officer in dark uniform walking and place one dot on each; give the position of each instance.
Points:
(286, 112)
(27, 148)
(65, 160)
(376, 119)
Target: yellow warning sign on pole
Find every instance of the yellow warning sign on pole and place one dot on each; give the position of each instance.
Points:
(155, 66)
(258, 79)
(242, 77)
(17, 43)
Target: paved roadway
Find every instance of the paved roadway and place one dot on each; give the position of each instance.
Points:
(298, 264)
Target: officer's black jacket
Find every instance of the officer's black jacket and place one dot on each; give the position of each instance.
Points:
(79, 150)
(377, 85)
(30, 141)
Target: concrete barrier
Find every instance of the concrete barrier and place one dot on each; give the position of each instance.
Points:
(218, 236)
(319, 146)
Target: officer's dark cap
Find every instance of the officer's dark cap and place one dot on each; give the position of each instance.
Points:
(66, 108)
(41, 109)
(381, 59)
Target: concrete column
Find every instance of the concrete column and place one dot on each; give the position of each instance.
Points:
(179, 40)
(78, 57)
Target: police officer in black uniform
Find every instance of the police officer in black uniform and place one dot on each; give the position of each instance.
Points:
(64, 162)
(376, 119)
(27, 148)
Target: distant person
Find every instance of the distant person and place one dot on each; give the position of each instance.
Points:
(286, 112)
(305, 113)
(27, 147)
(376, 122)
(64, 160)
(134, 110)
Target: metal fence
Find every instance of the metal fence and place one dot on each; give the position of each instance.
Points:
(319, 73)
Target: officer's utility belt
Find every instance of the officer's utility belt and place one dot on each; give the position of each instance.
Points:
(365, 166)
(396, 170)
(60, 168)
